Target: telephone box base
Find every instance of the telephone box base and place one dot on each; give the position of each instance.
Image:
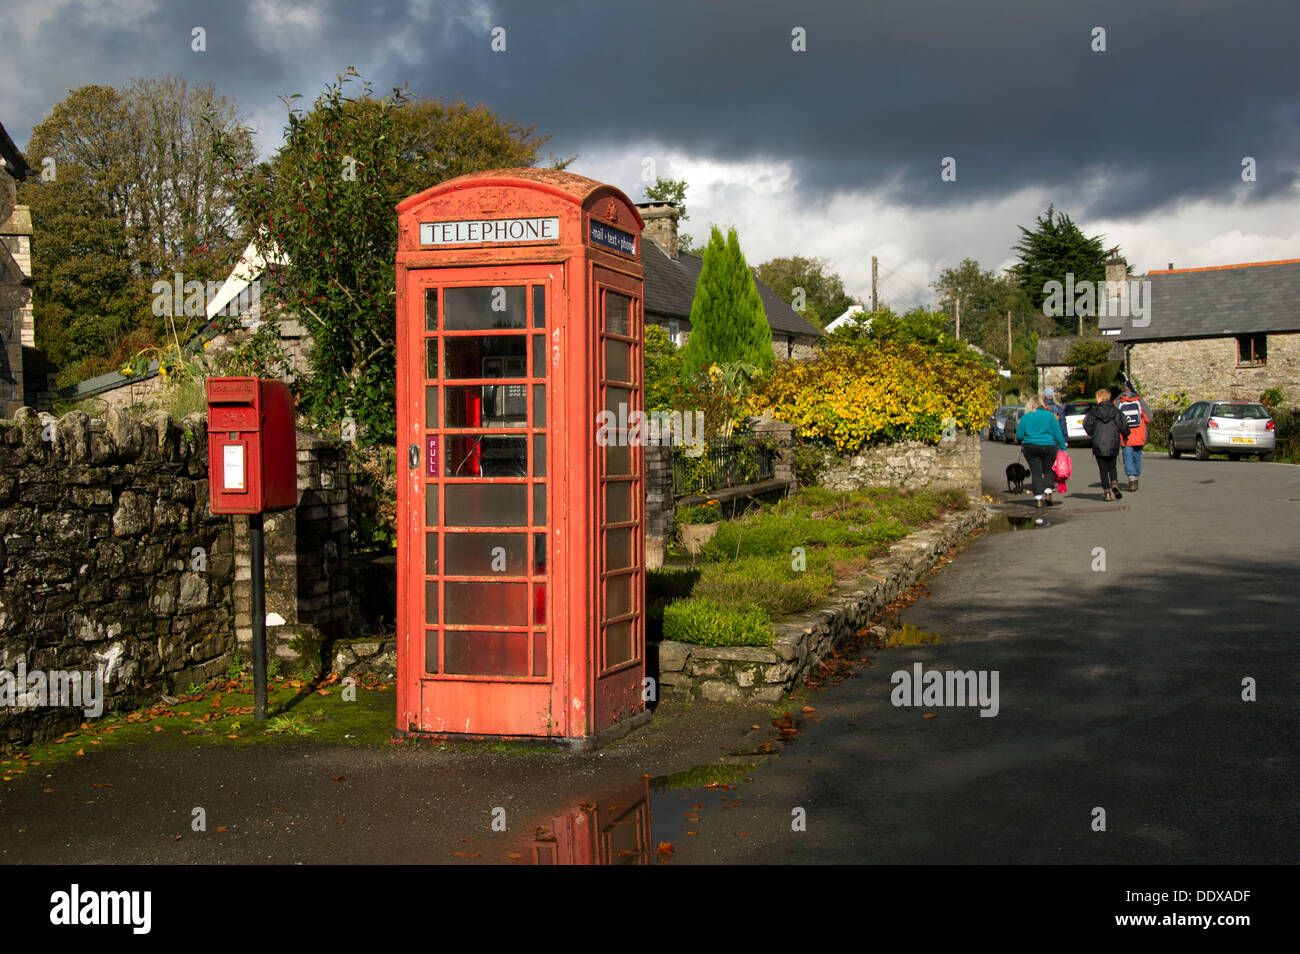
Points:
(576, 744)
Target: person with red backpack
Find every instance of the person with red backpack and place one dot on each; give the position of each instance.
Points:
(1138, 416)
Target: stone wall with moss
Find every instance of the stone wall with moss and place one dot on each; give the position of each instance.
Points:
(110, 560)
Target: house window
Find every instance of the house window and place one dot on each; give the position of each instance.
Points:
(1252, 350)
(674, 331)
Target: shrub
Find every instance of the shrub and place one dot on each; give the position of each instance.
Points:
(705, 623)
(850, 395)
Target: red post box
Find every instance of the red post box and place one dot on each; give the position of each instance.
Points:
(252, 446)
(521, 585)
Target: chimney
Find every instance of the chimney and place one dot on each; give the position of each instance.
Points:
(1116, 275)
(661, 224)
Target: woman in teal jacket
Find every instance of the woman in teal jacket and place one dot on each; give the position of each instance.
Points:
(1040, 433)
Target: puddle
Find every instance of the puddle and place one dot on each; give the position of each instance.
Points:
(909, 635)
(1004, 521)
(639, 824)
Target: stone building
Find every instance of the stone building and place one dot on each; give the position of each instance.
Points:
(670, 278)
(1051, 363)
(17, 328)
(1219, 332)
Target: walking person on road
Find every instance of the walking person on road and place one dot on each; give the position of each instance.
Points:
(1107, 428)
(1041, 436)
(1138, 416)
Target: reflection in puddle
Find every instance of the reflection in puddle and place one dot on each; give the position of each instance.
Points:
(639, 824)
(1010, 522)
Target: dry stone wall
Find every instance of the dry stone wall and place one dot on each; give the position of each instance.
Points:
(110, 560)
(908, 465)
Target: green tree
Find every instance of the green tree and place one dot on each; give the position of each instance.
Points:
(663, 369)
(728, 323)
(986, 299)
(674, 191)
(1054, 248)
(326, 202)
(137, 194)
(1090, 368)
(823, 297)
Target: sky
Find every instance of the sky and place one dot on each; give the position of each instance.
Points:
(819, 129)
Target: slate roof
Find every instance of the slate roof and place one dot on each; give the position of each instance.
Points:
(13, 159)
(1052, 351)
(670, 291)
(1218, 301)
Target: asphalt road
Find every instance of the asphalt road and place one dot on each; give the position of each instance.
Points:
(1120, 689)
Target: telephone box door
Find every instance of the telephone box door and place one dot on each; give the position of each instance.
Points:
(480, 370)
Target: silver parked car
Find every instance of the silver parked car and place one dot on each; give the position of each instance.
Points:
(1235, 428)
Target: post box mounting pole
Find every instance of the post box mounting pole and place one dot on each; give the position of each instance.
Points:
(259, 615)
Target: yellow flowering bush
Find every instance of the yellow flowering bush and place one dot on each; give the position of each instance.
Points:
(850, 396)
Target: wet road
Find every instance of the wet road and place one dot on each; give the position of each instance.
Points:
(1120, 689)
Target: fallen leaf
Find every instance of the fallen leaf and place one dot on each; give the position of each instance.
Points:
(665, 848)
(67, 735)
(741, 834)
(466, 839)
(48, 790)
(692, 833)
(809, 709)
(930, 715)
(81, 751)
(340, 778)
(102, 784)
(221, 828)
(465, 854)
(515, 854)
(322, 692)
(178, 838)
(157, 728)
(755, 726)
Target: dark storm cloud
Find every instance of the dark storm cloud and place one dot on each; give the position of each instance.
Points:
(1011, 90)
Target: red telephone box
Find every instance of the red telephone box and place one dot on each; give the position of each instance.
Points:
(520, 583)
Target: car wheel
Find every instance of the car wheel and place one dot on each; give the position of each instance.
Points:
(1267, 458)
(1172, 449)
(1233, 456)
(1202, 453)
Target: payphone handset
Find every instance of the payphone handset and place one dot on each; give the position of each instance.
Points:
(504, 404)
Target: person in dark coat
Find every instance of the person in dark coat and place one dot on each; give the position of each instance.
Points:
(1107, 428)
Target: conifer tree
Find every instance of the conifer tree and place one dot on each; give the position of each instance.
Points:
(728, 323)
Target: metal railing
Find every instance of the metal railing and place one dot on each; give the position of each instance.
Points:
(725, 462)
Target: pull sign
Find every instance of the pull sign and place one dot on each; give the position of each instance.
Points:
(414, 457)
(431, 455)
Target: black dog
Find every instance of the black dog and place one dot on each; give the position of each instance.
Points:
(1016, 474)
